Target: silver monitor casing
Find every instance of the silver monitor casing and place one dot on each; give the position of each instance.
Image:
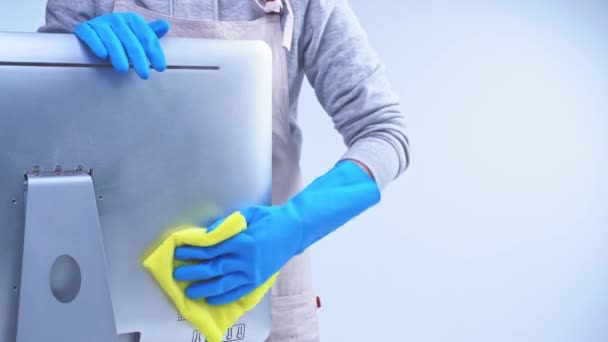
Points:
(186, 146)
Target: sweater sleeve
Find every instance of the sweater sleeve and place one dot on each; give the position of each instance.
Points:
(350, 83)
(62, 16)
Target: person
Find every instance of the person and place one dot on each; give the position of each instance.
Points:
(321, 40)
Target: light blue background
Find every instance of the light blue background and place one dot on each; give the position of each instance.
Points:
(499, 230)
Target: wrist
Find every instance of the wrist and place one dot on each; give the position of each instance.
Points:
(363, 167)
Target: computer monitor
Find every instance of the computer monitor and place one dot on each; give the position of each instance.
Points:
(95, 165)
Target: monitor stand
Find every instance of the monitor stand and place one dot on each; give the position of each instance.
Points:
(65, 294)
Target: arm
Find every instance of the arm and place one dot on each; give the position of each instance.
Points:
(352, 87)
(62, 16)
(351, 84)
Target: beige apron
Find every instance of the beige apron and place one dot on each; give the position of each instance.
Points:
(294, 307)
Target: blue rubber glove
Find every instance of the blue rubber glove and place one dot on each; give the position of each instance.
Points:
(225, 272)
(125, 37)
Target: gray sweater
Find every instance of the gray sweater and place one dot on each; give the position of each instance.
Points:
(329, 47)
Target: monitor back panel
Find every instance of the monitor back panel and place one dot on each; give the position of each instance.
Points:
(188, 145)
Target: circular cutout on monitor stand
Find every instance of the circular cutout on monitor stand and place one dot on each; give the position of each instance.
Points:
(65, 279)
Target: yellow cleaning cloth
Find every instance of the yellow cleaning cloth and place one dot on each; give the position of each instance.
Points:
(211, 321)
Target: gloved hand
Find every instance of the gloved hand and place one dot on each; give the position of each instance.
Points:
(126, 37)
(225, 272)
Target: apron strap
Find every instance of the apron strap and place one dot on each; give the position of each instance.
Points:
(276, 6)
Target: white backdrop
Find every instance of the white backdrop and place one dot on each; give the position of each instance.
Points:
(498, 231)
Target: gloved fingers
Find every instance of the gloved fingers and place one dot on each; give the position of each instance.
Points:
(230, 296)
(160, 27)
(88, 35)
(134, 50)
(149, 41)
(188, 253)
(217, 286)
(114, 47)
(209, 269)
